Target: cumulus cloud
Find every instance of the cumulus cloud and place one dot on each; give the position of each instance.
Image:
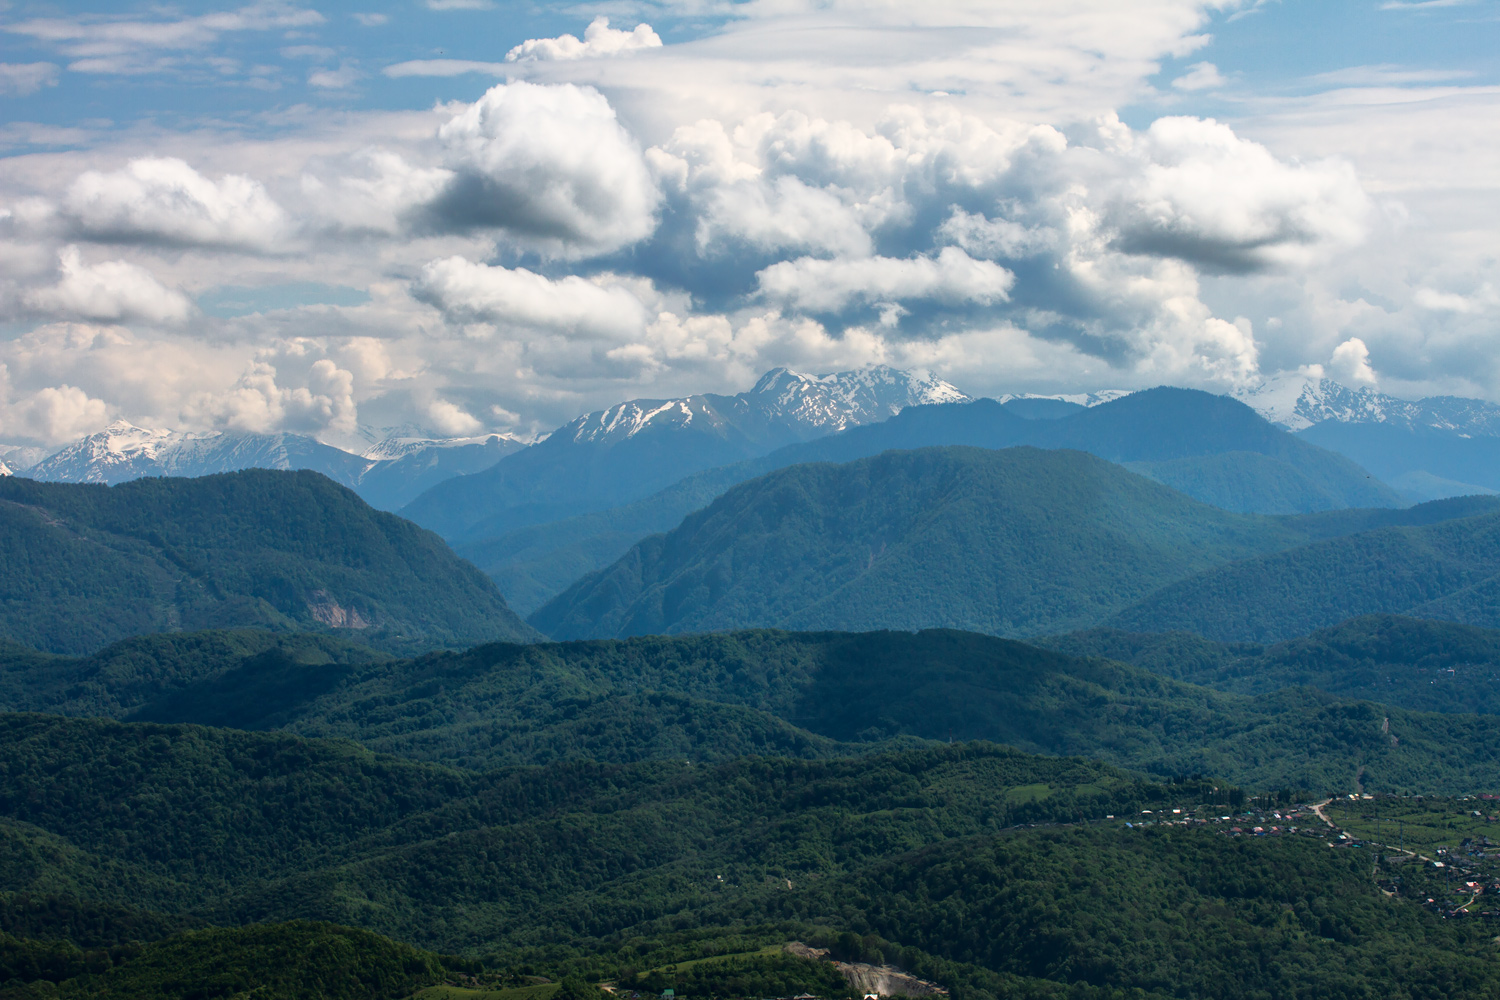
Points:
(55, 415)
(450, 420)
(828, 286)
(20, 79)
(599, 39)
(550, 165)
(112, 291)
(373, 191)
(1193, 189)
(469, 292)
(257, 403)
(1350, 363)
(164, 200)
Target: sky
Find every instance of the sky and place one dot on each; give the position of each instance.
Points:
(472, 216)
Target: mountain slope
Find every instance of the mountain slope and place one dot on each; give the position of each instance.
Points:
(85, 565)
(1209, 447)
(1012, 542)
(1449, 570)
(1431, 666)
(631, 450)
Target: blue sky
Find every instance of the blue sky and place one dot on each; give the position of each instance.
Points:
(473, 216)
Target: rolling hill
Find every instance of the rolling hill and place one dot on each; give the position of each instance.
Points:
(716, 697)
(85, 565)
(1430, 666)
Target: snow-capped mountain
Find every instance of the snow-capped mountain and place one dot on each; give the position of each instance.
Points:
(5, 470)
(633, 449)
(783, 404)
(123, 451)
(407, 441)
(1084, 399)
(389, 475)
(1298, 401)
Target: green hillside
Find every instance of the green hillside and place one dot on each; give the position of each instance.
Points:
(1013, 542)
(85, 565)
(1449, 570)
(990, 871)
(712, 698)
(1431, 666)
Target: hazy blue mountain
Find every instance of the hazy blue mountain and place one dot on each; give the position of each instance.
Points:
(1217, 451)
(631, 450)
(1012, 542)
(89, 564)
(1426, 449)
(1449, 570)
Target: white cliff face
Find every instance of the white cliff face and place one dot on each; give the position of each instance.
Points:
(805, 405)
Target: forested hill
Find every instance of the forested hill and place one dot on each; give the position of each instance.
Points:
(1449, 570)
(85, 565)
(1432, 666)
(800, 695)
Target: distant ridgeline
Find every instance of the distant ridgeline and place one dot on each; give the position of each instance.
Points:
(85, 565)
(802, 695)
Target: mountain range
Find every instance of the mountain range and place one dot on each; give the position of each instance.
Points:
(1209, 447)
(629, 451)
(387, 476)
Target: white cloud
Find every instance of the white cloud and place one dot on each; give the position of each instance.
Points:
(121, 45)
(55, 415)
(334, 79)
(112, 291)
(599, 39)
(372, 20)
(164, 200)
(549, 165)
(460, 5)
(372, 191)
(1350, 363)
(1193, 189)
(451, 421)
(444, 67)
(470, 292)
(258, 404)
(20, 79)
(1200, 76)
(823, 286)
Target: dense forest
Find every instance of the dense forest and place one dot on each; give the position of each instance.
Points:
(1422, 664)
(717, 697)
(992, 872)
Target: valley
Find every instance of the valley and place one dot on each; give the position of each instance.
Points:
(840, 683)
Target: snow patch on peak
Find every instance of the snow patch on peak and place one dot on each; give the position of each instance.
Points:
(5, 470)
(1077, 398)
(404, 441)
(1297, 400)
